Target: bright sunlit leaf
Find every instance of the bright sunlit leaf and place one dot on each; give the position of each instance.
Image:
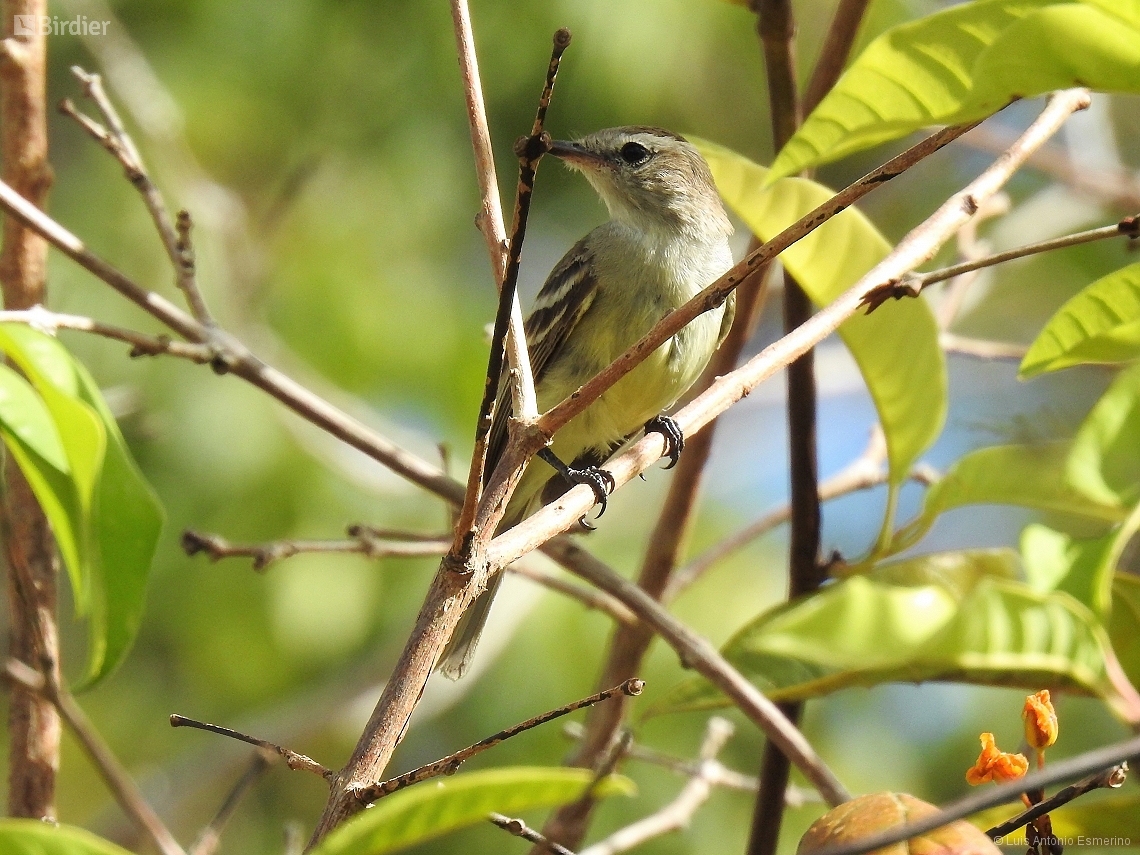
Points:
(863, 632)
(1101, 324)
(962, 64)
(434, 808)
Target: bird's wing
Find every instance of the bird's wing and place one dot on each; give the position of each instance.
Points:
(563, 300)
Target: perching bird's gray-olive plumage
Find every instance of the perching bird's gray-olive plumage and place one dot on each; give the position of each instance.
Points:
(667, 239)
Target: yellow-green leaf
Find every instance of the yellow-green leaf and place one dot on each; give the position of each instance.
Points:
(897, 350)
(1101, 324)
(434, 808)
(964, 63)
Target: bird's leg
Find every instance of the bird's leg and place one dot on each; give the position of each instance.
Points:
(674, 438)
(598, 480)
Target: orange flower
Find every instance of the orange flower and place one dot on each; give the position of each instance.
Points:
(1040, 720)
(994, 765)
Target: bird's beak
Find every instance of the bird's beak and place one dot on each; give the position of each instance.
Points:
(575, 154)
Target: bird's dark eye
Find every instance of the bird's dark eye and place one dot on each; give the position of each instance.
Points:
(635, 154)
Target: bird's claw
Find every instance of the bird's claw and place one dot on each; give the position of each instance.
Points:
(600, 481)
(674, 438)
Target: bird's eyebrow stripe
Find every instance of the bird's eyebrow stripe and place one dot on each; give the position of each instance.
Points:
(657, 132)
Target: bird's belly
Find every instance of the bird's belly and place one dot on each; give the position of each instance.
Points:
(654, 385)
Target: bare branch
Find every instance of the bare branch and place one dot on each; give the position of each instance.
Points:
(231, 356)
(520, 829)
(114, 138)
(590, 598)
(530, 151)
(449, 764)
(118, 781)
(981, 348)
(141, 343)
(912, 285)
(264, 554)
(294, 760)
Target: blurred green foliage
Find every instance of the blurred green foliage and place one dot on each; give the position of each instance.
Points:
(322, 148)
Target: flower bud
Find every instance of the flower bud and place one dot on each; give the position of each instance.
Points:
(1040, 720)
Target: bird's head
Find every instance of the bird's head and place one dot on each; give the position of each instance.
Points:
(650, 179)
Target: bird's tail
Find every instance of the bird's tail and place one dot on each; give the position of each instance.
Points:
(460, 649)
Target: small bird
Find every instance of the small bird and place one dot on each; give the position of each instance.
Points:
(666, 240)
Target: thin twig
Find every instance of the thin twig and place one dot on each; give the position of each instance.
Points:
(677, 814)
(294, 760)
(449, 764)
(118, 781)
(490, 217)
(141, 343)
(211, 836)
(520, 829)
(912, 285)
(264, 554)
(1097, 760)
(1119, 187)
(1110, 778)
(175, 238)
(508, 317)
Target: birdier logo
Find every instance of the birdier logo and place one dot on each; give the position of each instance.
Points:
(51, 25)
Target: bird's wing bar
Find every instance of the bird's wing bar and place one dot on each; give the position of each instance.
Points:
(567, 294)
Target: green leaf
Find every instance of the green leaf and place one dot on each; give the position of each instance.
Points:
(863, 632)
(34, 442)
(1127, 10)
(119, 519)
(1081, 567)
(1032, 476)
(1105, 460)
(962, 64)
(434, 808)
(897, 351)
(128, 522)
(1124, 626)
(33, 837)
(1101, 324)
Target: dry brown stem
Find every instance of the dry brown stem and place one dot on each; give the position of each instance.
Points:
(33, 723)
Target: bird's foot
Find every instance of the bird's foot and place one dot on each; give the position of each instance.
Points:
(598, 480)
(674, 438)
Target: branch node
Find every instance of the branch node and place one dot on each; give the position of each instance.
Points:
(562, 38)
